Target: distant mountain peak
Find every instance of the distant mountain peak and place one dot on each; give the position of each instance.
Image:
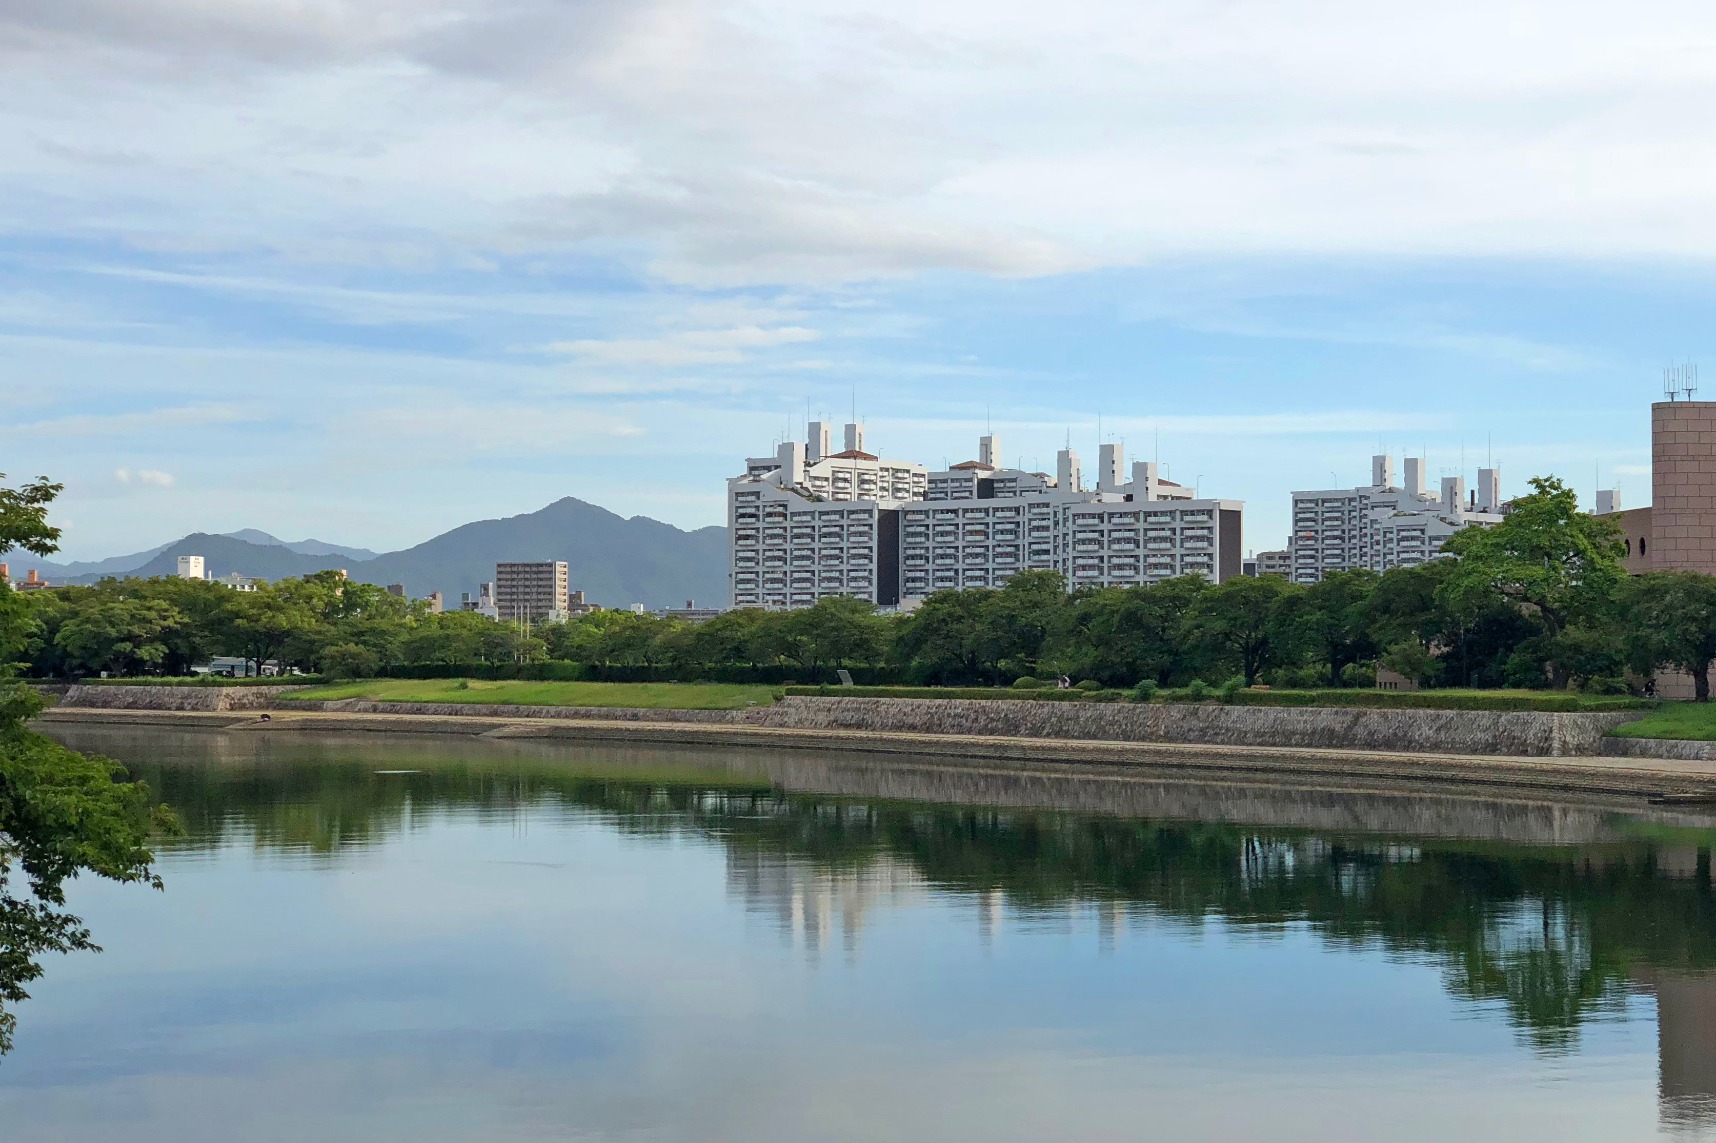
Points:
(310, 547)
(615, 559)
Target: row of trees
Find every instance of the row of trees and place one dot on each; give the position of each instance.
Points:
(1540, 600)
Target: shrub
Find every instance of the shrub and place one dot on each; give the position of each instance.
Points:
(1298, 678)
(1231, 687)
(1197, 690)
(1605, 685)
(349, 661)
(1088, 685)
(1145, 691)
(1026, 683)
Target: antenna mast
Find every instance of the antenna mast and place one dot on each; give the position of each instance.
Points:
(1680, 381)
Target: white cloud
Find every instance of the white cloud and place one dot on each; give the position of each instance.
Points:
(132, 423)
(686, 347)
(150, 477)
(795, 141)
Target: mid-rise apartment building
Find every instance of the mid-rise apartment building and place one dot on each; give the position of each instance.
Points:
(192, 567)
(891, 532)
(1278, 562)
(531, 591)
(1382, 525)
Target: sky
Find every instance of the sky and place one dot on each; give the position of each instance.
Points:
(365, 270)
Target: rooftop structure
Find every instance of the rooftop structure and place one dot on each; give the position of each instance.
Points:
(891, 532)
(691, 613)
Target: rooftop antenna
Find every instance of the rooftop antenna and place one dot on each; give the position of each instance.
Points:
(1678, 380)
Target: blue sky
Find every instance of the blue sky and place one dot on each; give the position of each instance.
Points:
(366, 271)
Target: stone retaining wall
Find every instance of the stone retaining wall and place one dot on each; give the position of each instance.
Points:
(1528, 733)
(1686, 750)
(1518, 733)
(173, 698)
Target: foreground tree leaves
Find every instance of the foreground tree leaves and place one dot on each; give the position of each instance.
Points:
(61, 813)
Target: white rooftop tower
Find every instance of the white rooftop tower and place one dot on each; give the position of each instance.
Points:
(1108, 468)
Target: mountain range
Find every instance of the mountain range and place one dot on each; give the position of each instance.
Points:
(616, 561)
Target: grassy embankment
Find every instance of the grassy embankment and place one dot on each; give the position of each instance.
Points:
(523, 692)
(1693, 720)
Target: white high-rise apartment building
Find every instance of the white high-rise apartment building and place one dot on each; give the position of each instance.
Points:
(805, 525)
(1382, 525)
(192, 567)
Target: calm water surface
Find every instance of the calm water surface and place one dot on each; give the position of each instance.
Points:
(430, 939)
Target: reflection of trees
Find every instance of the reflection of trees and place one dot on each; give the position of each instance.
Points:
(1554, 935)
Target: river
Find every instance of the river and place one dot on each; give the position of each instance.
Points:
(443, 939)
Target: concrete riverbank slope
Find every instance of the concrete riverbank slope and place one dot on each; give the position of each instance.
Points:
(1513, 733)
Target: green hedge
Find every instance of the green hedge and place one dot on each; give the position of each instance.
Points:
(201, 681)
(1370, 699)
(1438, 700)
(565, 671)
(1049, 694)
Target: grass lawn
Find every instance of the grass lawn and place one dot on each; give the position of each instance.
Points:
(524, 692)
(1696, 720)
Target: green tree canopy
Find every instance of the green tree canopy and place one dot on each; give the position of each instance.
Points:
(1546, 557)
(1243, 617)
(1671, 620)
(1331, 620)
(61, 813)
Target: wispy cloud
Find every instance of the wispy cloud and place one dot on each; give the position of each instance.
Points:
(145, 476)
(132, 423)
(1334, 422)
(686, 347)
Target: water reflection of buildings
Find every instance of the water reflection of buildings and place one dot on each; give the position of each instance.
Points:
(1686, 1046)
(1685, 1018)
(810, 905)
